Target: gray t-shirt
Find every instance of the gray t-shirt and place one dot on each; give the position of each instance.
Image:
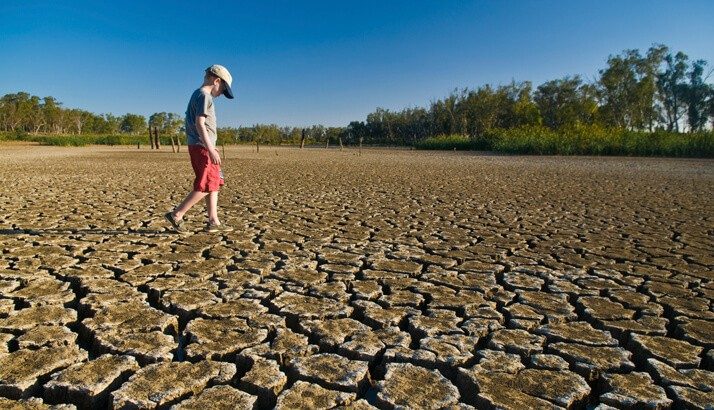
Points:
(201, 103)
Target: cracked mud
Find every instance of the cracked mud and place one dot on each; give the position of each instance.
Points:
(389, 279)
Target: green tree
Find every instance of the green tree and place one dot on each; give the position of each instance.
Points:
(443, 114)
(15, 110)
(158, 120)
(78, 119)
(174, 123)
(267, 134)
(627, 89)
(167, 123)
(566, 102)
(133, 124)
(112, 124)
(673, 88)
(35, 118)
(357, 130)
(696, 97)
(52, 112)
(522, 110)
(645, 105)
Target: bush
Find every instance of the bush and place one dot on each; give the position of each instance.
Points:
(450, 142)
(82, 140)
(14, 136)
(63, 140)
(596, 140)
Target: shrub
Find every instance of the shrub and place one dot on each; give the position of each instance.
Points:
(596, 140)
(450, 142)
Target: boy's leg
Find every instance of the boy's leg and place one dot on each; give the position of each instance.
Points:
(191, 199)
(212, 207)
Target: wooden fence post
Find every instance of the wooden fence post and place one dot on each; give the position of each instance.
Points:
(156, 137)
(257, 147)
(360, 146)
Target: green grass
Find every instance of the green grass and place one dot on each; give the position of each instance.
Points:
(92, 139)
(580, 140)
(81, 140)
(593, 140)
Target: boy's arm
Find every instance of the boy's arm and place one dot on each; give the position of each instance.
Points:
(203, 135)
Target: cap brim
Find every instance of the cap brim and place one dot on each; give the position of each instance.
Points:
(228, 92)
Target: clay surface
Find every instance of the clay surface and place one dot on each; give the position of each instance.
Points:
(390, 279)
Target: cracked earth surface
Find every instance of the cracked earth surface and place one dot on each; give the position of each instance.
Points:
(389, 279)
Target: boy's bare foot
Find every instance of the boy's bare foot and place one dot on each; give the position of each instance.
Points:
(175, 223)
(213, 227)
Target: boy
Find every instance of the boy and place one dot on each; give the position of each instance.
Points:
(205, 159)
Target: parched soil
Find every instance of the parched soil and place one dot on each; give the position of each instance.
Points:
(386, 279)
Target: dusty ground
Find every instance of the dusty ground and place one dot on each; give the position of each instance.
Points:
(391, 278)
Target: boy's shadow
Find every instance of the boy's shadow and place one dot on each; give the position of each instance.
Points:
(96, 231)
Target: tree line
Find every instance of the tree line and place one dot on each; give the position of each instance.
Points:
(22, 112)
(655, 90)
(651, 91)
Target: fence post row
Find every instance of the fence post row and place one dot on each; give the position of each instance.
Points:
(155, 143)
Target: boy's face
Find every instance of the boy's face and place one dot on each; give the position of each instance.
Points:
(217, 87)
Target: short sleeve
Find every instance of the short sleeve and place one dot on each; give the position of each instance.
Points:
(204, 103)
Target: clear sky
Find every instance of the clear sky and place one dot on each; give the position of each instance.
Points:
(330, 62)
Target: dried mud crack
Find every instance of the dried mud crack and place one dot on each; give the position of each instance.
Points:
(390, 279)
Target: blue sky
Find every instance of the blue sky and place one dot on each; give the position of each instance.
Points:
(330, 62)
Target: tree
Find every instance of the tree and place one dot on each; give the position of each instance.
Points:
(566, 102)
(35, 118)
(173, 123)
(522, 109)
(52, 112)
(112, 124)
(15, 110)
(711, 105)
(696, 97)
(266, 134)
(672, 89)
(646, 91)
(443, 114)
(627, 88)
(133, 124)
(480, 110)
(357, 130)
(157, 120)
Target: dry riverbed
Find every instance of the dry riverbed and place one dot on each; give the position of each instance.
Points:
(391, 278)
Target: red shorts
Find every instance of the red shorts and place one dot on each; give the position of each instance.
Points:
(208, 175)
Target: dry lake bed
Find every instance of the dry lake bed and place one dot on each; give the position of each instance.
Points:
(395, 278)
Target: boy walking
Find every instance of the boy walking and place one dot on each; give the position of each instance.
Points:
(205, 158)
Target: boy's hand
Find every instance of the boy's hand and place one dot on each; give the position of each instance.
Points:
(215, 156)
